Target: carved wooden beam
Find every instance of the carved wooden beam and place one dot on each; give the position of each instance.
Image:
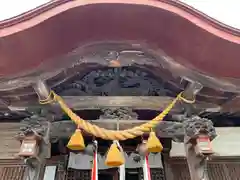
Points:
(134, 102)
(165, 129)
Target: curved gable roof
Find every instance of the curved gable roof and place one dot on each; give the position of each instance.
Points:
(224, 11)
(185, 34)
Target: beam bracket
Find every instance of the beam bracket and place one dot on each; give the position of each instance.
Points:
(190, 93)
(41, 89)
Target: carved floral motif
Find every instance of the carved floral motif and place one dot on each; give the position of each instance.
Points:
(124, 81)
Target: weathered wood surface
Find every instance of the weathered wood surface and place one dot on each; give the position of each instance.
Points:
(64, 129)
(135, 102)
(3, 106)
(14, 172)
(231, 105)
(165, 129)
(196, 163)
(138, 102)
(9, 146)
(218, 168)
(226, 144)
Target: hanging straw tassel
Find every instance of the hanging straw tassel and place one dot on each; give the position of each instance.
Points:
(153, 143)
(146, 169)
(95, 164)
(114, 157)
(76, 141)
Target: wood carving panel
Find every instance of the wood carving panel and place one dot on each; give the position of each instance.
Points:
(9, 144)
(124, 81)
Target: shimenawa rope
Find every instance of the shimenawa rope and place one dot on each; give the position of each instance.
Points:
(111, 134)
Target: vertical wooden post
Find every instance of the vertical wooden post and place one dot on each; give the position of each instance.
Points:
(35, 173)
(196, 163)
(116, 175)
(167, 167)
(197, 141)
(36, 166)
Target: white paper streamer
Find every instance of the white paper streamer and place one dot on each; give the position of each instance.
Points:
(122, 167)
(95, 164)
(146, 169)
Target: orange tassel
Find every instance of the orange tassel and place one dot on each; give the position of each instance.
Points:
(76, 142)
(153, 143)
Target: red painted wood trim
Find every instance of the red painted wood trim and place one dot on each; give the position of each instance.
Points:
(53, 8)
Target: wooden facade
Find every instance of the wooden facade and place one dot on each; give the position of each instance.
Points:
(224, 164)
(220, 169)
(118, 64)
(9, 144)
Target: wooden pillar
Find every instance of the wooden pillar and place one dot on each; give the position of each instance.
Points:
(197, 164)
(198, 134)
(35, 173)
(167, 167)
(116, 175)
(36, 164)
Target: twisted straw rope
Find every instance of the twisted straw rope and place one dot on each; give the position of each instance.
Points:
(111, 134)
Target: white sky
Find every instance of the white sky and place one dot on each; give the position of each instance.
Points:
(226, 11)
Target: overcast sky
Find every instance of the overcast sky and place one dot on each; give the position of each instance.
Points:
(226, 11)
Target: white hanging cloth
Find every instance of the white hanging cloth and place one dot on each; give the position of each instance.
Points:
(146, 168)
(122, 167)
(95, 164)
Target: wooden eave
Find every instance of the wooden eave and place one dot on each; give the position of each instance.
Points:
(188, 37)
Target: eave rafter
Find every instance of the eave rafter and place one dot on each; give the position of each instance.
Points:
(66, 85)
(71, 82)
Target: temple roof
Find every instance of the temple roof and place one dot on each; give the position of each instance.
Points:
(224, 11)
(186, 39)
(66, 41)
